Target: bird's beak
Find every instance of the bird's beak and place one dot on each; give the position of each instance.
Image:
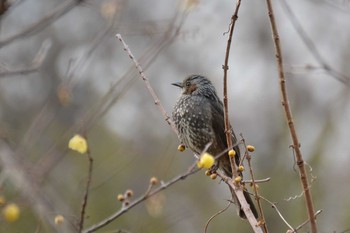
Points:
(179, 84)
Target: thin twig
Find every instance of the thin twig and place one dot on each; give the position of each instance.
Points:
(79, 63)
(256, 181)
(278, 212)
(289, 118)
(147, 59)
(225, 100)
(312, 47)
(36, 63)
(84, 204)
(291, 229)
(304, 223)
(236, 187)
(144, 197)
(42, 23)
(113, 95)
(256, 192)
(16, 171)
(216, 214)
(148, 85)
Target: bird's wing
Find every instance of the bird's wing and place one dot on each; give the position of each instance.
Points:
(218, 125)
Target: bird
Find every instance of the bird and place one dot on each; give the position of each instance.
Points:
(198, 116)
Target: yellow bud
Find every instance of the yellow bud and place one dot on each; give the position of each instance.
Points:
(213, 176)
(120, 197)
(238, 179)
(78, 143)
(256, 186)
(232, 153)
(250, 148)
(2, 200)
(129, 193)
(153, 180)
(206, 161)
(241, 168)
(11, 212)
(181, 148)
(207, 172)
(59, 219)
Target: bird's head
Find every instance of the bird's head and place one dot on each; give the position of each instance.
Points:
(196, 85)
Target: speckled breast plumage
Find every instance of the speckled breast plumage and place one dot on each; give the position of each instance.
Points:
(191, 117)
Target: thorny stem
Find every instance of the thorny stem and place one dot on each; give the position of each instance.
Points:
(289, 118)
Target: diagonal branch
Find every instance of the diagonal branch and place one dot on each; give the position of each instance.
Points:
(312, 47)
(146, 195)
(245, 206)
(36, 63)
(148, 85)
(289, 118)
(41, 24)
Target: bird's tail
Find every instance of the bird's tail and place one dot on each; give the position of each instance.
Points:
(240, 211)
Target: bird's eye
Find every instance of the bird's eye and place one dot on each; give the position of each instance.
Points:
(188, 83)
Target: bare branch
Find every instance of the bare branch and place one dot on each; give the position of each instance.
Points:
(236, 187)
(257, 181)
(139, 200)
(15, 170)
(312, 47)
(304, 223)
(88, 182)
(289, 118)
(148, 85)
(244, 205)
(256, 192)
(278, 212)
(41, 24)
(225, 67)
(36, 63)
(216, 214)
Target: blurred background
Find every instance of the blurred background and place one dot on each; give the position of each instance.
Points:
(63, 72)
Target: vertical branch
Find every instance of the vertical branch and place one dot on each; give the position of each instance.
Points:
(235, 186)
(289, 118)
(255, 188)
(225, 100)
(88, 182)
